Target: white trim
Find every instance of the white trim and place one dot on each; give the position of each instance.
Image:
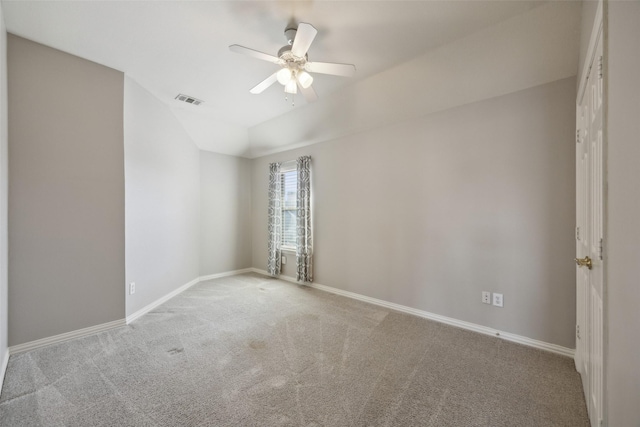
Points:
(144, 310)
(32, 345)
(181, 289)
(3, 367)
(225, 274)
(596, 33)
(416, 312)
(554, 348)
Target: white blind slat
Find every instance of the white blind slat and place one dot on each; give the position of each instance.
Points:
(289, 190)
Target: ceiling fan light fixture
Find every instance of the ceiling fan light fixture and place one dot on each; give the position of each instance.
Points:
(293, 60)
(284, 76)
(291, 87)
(305, 79)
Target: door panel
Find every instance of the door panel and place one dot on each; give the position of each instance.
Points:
(596, 274)
(582, 242)
(590, 237)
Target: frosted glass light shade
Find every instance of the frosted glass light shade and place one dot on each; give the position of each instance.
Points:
(284, 76)
(305, 79)
(291, 87)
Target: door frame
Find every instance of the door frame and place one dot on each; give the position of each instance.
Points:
(598, 31)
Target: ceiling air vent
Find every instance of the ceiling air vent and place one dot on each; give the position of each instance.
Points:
(189, 99)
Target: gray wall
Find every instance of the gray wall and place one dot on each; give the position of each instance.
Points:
(4, 317)
(162, 199)
(66, 192)
(622, 353)
(431, 211)
(225, 200)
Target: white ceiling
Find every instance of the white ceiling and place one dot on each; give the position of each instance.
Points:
(172, 47)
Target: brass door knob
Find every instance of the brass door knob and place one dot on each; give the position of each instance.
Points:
(582, 262)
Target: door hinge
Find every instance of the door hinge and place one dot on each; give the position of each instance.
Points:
(578, 331)
(600, 67)
(577, 136)
(578, 233)
(601, 250)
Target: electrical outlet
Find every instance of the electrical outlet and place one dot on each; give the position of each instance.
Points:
(132, 288)
(497, 300)
(486, 297)
(284, 260)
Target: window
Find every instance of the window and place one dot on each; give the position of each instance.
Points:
(289, 209)
(289, 221)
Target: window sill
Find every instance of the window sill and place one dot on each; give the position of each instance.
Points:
(288, 250)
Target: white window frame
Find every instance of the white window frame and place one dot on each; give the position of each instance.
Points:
(286, 167)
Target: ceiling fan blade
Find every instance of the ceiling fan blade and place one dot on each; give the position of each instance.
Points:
(304, 37)
(308, 93)
(345, 70)
(260, 87)
(255, 53)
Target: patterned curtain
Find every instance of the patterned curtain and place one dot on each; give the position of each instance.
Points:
(304, 235)
(275, 219)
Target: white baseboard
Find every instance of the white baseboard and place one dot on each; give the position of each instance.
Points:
(225, 274)
(32, 345)
(3, 367)
(144, 310)
(181, 289)
(554, 348)
(416, 312)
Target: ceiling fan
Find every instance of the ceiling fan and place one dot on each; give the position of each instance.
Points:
(295, 64)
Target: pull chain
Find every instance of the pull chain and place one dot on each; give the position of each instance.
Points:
(293, 99)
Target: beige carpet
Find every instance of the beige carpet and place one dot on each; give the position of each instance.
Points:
(253, 351)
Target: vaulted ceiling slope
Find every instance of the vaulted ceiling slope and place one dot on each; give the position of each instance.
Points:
(412, 58)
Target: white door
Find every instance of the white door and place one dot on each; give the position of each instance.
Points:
(589, 235)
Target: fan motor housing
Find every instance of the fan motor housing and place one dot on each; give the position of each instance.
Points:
(283, 50)
(290, 60)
